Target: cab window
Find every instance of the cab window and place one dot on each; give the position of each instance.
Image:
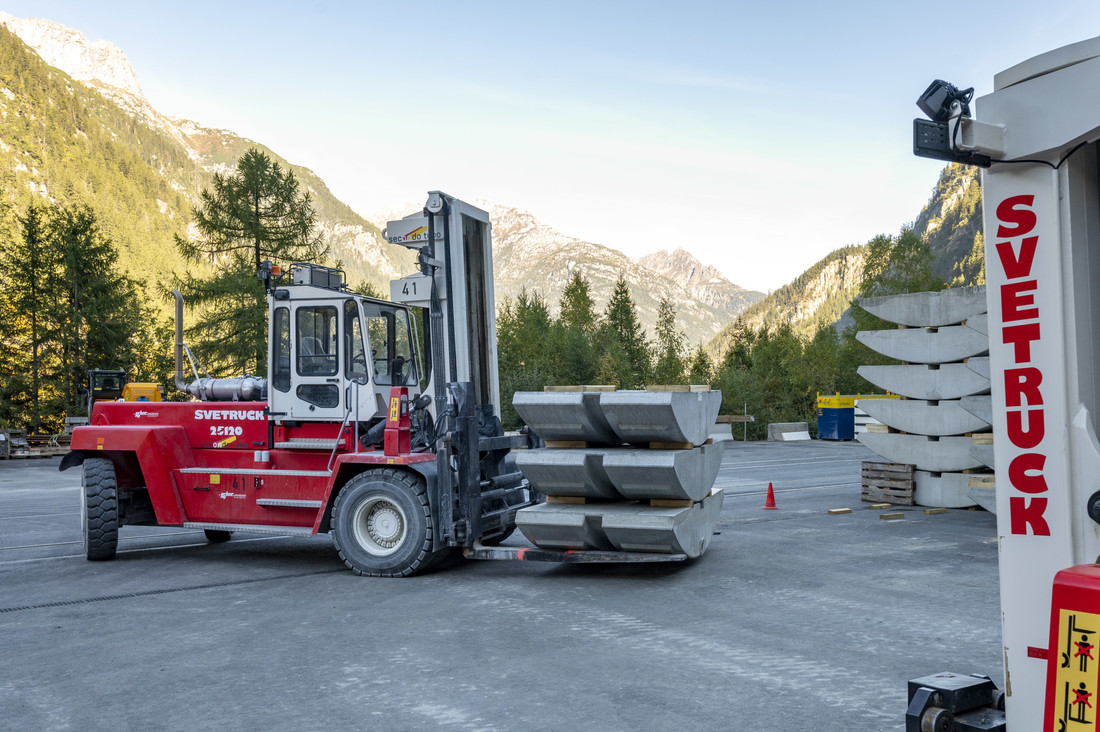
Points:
(355, 359)
(280, 371)
(390, 341)
(316, 341)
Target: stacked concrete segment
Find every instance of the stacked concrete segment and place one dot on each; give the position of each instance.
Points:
(924, 417)
(922, 345)
(628, 527)
(945, 382)
(565, 416)
(943, 454)
(622, 473)
(607, 495)
(928, 381)
(640, 417)
(928, 309)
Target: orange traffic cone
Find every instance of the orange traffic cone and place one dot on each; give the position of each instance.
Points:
(769, 503)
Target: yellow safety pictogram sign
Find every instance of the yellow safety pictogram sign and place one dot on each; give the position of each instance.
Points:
(1075, 701)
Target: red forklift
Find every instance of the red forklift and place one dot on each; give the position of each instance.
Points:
(397, 450)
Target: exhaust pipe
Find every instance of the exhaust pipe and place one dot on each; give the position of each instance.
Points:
(207, 389)
(180, 383)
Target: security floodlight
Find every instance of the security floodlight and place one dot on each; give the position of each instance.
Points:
(946, 107)
(938, 101)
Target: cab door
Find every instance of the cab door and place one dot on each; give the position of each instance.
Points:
(357, 366)
(316, 357)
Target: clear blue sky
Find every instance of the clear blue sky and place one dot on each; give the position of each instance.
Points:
(759, 136)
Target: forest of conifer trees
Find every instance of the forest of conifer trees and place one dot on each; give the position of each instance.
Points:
(65, 307)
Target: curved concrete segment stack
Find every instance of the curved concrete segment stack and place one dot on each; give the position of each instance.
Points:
(940, 455)
(928, 309)
(627, 527)
(622, 473)
(606, 495)
(927, 381)
(943, 490)
(615, 417)
(564, 416)
(640, 417)
(921, 417)
(945, 382)
(921, 345)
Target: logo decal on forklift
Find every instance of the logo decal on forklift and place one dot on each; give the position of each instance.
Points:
(238, 414)
(230, 494)
(146, 414)
(225, 442)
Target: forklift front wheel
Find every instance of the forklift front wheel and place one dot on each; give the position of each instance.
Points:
(380, 524)
(99, 504)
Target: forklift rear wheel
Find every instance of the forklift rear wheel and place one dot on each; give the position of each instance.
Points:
(381, 524)
(217, 536)
(99, 514)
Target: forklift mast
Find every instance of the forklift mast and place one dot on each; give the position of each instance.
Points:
(454, 286)
(1038, 137)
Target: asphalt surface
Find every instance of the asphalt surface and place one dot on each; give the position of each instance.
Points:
(792, 620)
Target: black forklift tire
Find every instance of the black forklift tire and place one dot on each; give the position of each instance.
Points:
(217, 536)
(381, 524)
(99, 514)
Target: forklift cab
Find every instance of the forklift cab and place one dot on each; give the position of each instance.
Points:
(334, 351)
(104, 385)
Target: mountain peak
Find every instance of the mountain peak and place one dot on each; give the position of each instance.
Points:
(701, 280)
(69, 50)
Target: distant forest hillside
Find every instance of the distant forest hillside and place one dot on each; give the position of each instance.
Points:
(817, 297)
(951, 224)
(141, 173)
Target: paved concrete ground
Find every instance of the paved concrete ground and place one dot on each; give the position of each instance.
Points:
(793, 620)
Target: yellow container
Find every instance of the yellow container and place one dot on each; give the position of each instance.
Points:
(847, 401)
(142, 392)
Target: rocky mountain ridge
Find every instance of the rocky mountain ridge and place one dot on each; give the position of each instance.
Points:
(98, 62)
(702, 281)
(531, 255)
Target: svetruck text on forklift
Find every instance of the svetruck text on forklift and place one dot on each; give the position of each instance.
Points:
(230, 414)
(1023, 399)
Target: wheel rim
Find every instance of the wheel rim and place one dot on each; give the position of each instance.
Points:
(380, 526)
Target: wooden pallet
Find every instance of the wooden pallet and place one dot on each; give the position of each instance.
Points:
(678, 387)
(889, 482)
(982, 480)
(582, 387)
(581, 445)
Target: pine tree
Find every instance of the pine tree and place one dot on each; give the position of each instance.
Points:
(30, 268)
(100, 316)
(622, 326)
(668, 349)
(244, 219)
(578, 309)
(527, 357)
(575, 332)
(700, 367)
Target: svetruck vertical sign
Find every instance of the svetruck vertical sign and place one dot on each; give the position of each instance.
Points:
(1024, 258)
(1017, 241)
